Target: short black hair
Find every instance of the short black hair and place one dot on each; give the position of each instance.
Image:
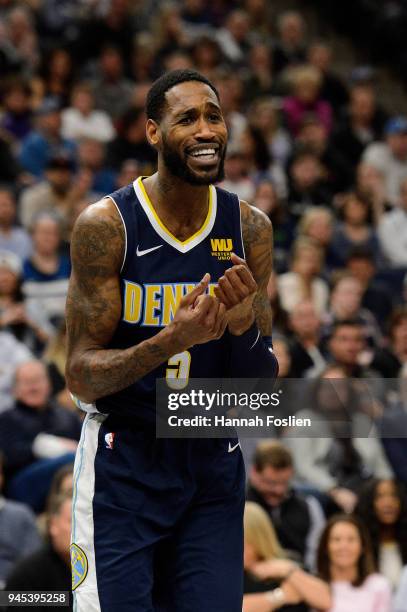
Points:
(156, 96)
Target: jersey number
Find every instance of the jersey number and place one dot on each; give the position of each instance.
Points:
(177, 374)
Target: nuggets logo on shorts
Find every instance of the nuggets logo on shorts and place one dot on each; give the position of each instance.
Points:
(79, 564)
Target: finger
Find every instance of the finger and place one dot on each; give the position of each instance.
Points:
(211, 316)
(202, 286)
(236, 281)
(228, 290)
(222, 297)
(246, 277)
(237, 260)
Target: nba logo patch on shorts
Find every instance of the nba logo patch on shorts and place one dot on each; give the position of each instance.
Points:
(79, 564)
(109, 439)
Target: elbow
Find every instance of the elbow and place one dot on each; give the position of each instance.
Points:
(76, 383)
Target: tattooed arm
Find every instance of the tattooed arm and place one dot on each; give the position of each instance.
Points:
(93, 311)
(258, 243)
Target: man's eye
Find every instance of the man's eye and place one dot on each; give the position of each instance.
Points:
(186, 120)
(214, 117)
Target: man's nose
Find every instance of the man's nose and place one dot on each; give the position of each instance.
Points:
(204, 129)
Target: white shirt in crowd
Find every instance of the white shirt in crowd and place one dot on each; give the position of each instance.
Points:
(379, 155)
(392, 231)
(97, 125)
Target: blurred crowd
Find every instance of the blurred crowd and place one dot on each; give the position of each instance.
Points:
(325, 161)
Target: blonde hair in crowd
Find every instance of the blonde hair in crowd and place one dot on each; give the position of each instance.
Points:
(260, 533)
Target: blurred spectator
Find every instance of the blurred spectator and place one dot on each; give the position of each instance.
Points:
(16, 120)
(389, 360)
(233, 38)
(56, 193)
(332, 89)
(45, 141)
(269, 578)
(306, 183)
(361, 125)
(390, 157)
(9, 166)
(306, 82)
(313, 136)
(169, 33)
(334, 460)
(142, 58)
(37, 436)
(382, 507)
(128, 172)
(92, 158)
(260, 163)
(23, 36)
(82, 120)
(261, 17)
(305, 344)
(280, 316)
(370, 183)
(27, 322)
(46, 273)
(347, 344)
(346, 562)
(56, 75)
(49, 569)
(12, 237)
(55, 358)
(302, 281)
(12, 354)
(267, 200)
(263, 116)
(290, 48)
(111, 89)
(237, 179)
(392, 230)
(376, 297)
(355, 229)
(346, 305)
(317, 224)
(206, 55)
(229, 93)
(131, 143)
(297, 519)
(260, 81)
(19, 535)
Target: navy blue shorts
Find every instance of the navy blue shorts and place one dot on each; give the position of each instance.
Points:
(157, 523)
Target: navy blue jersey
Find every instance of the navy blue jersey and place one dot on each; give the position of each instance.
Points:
(158, 269)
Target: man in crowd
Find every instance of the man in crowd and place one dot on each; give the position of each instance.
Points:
(298, 519)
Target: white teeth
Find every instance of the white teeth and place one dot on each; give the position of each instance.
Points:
(204, 152)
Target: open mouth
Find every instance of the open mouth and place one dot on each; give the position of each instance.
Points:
(204, 154)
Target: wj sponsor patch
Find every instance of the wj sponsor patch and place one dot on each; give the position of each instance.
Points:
(79, 564)
(221, 248)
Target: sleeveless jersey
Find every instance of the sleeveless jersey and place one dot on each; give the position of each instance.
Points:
(158, 269)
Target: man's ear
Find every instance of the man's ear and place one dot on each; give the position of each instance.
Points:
(153, 132)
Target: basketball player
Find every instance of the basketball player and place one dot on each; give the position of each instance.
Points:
(169, 281)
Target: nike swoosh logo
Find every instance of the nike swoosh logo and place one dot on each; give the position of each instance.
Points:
(146, 251)
(232, 448)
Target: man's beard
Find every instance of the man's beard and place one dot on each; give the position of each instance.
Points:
(179, 168)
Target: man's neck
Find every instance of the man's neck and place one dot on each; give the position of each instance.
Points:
(180, 206)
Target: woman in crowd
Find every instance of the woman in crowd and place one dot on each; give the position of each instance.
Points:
(355, 229)
(263, 115)
(317, 223)
(334, 460)
(383, 509)
(27, 322)
(272, 582)
(306, 85)
(345, 561)
(303, 280)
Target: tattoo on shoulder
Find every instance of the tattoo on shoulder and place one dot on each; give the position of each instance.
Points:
(97, 244)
